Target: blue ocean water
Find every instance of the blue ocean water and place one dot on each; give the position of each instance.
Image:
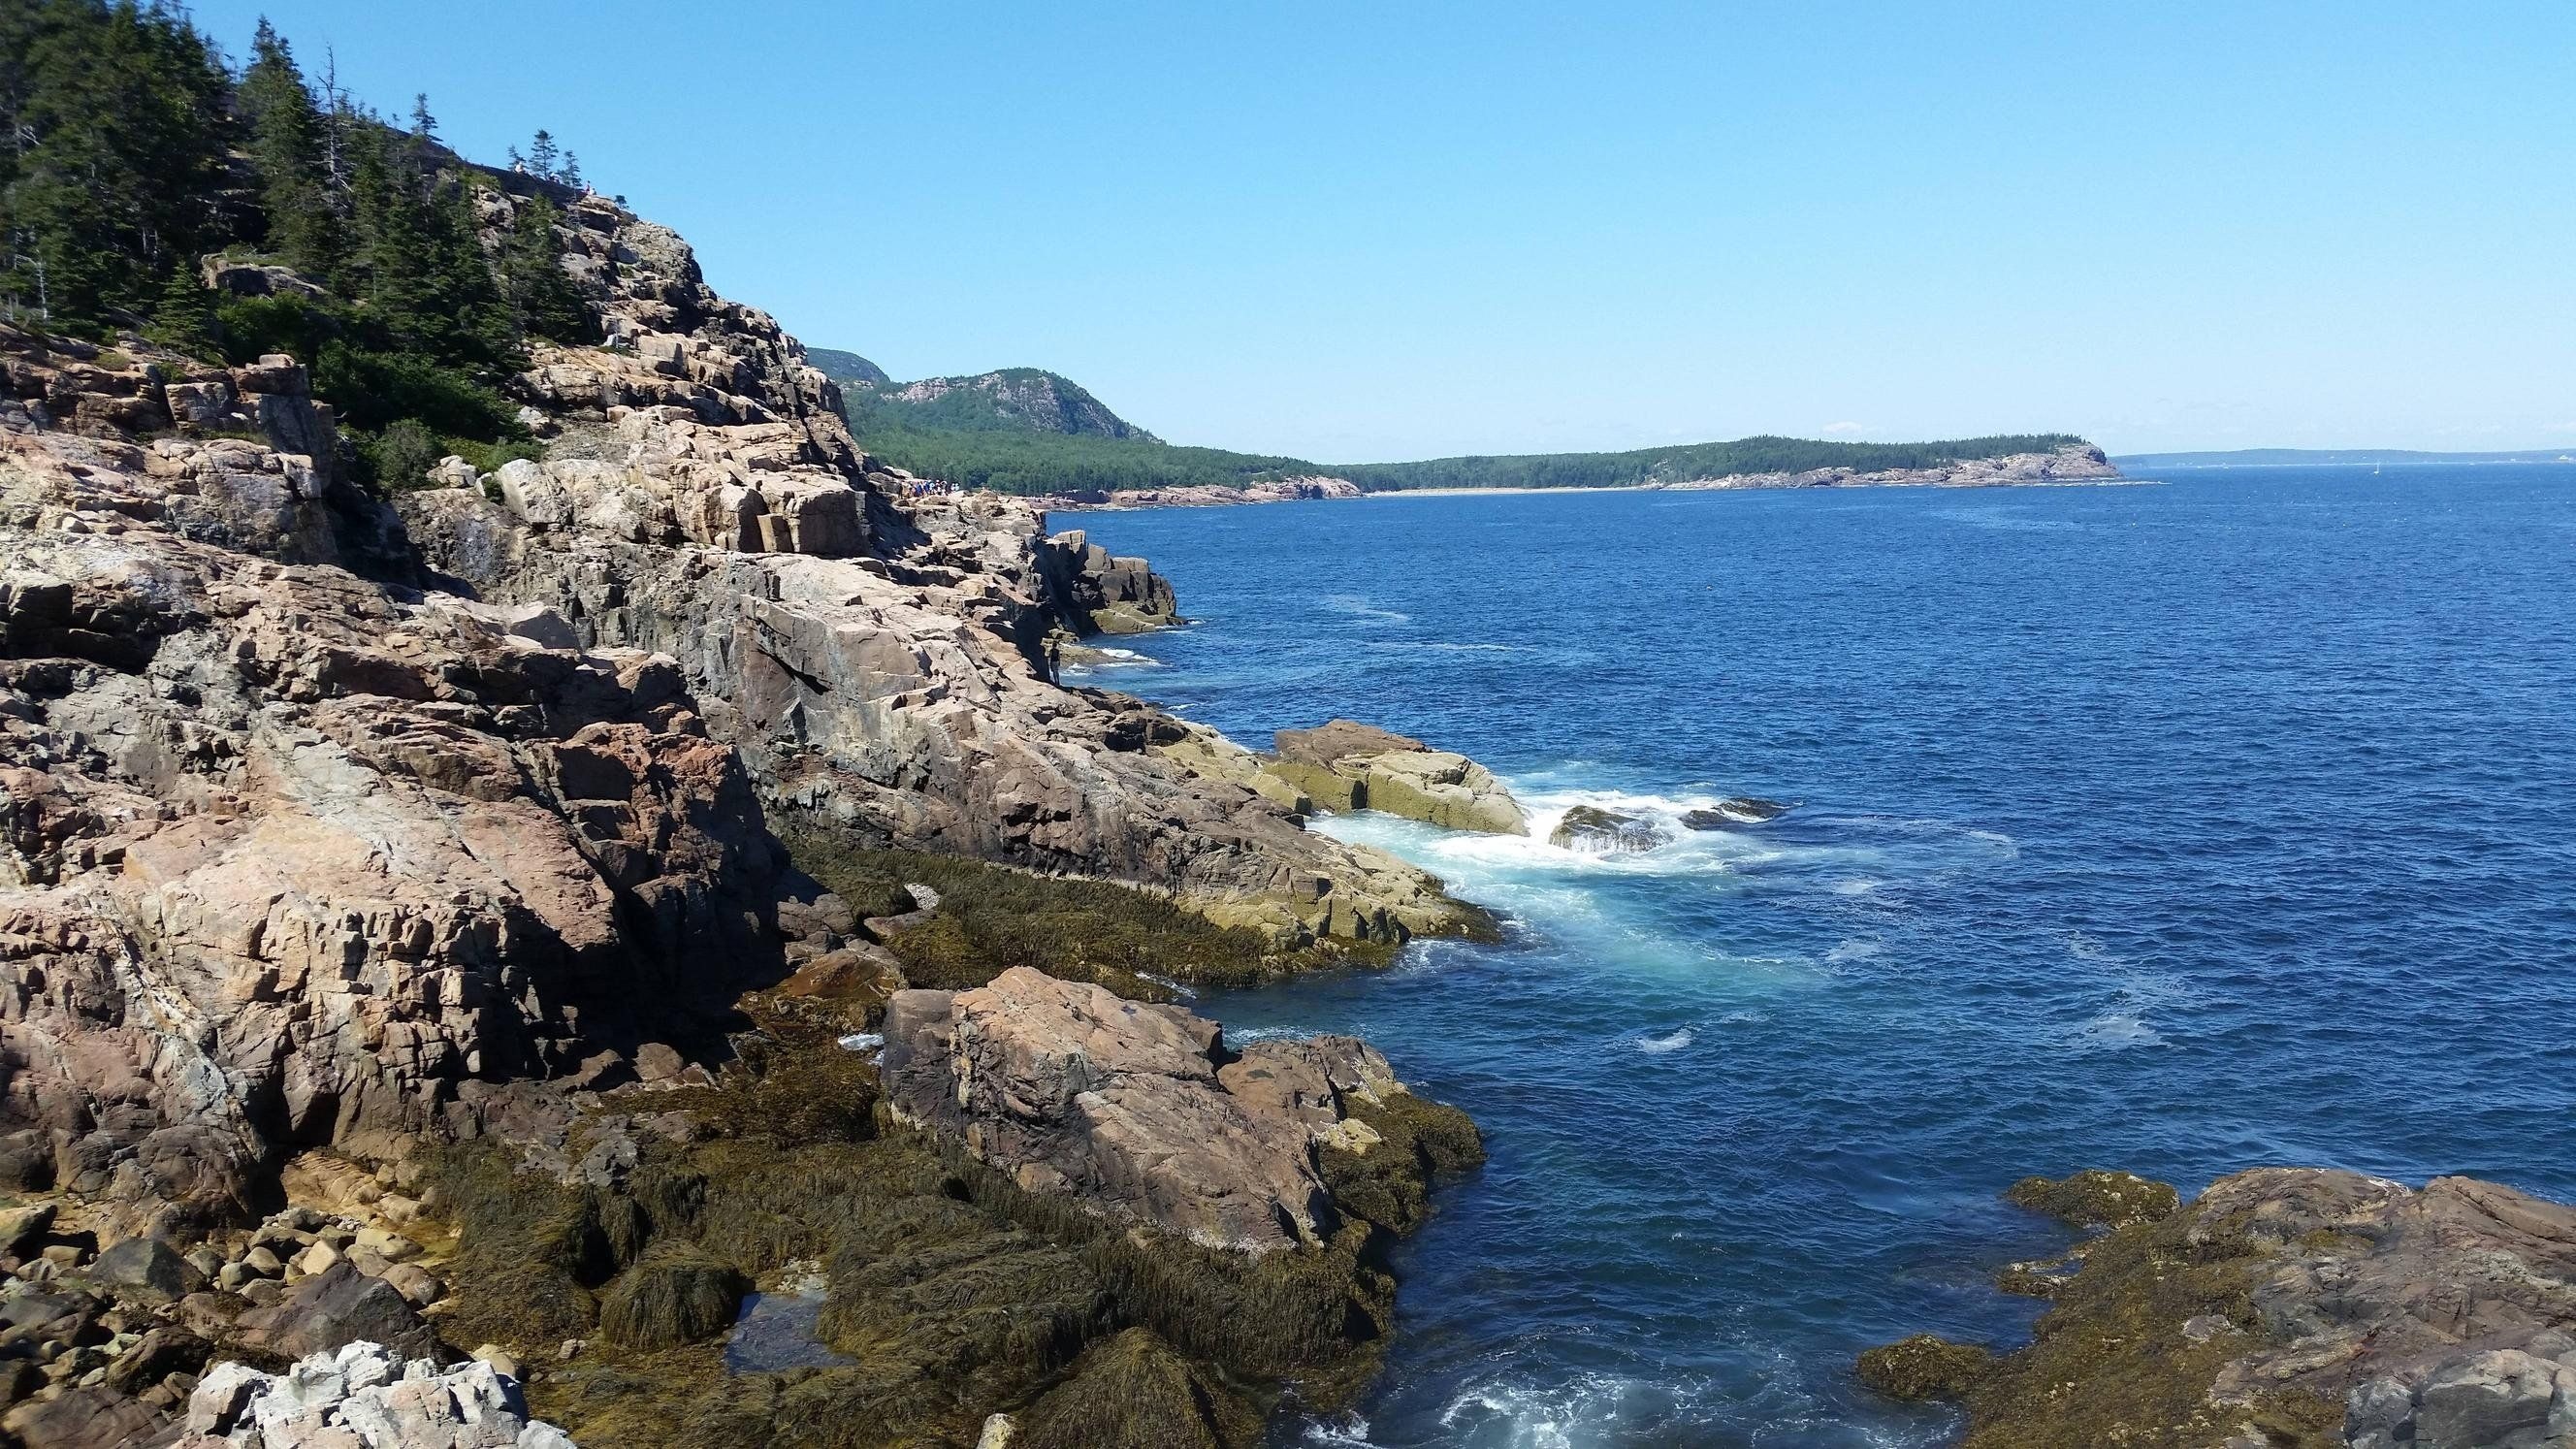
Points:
(2176, 828)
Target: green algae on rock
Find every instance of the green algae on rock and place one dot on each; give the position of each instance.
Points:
(2095, 1199)
(957, 1291)
(2281, 1309)
(1923, 1367)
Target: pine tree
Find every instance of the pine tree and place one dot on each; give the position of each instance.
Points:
(544, 303)
(424, 126)
(286, 148)
(570, 175)
(184, 319)
(541, 155)
(116, 132)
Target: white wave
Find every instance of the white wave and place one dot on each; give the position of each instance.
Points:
(1856, 948)
(2118, 1031)
(1348, 1431)
(1671, 1041)
(862, 1041)
(1359, 608)
(1237, 1036)
(1535, 1418)
(1179, 991)
(1112, 657)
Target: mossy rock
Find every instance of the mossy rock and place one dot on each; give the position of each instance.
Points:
(2110, 1363)
(1135, 1392)
(1925, 1367)
(1390, 1183)
(2096, 1199)
(670, 1299)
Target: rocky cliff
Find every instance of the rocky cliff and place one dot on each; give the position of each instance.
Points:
(333, 823)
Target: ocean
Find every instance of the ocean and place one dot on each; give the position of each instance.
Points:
(2176, 828)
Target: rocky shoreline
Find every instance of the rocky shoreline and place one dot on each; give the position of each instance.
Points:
(2074, 464)
(411, 933)
(2283, 1308)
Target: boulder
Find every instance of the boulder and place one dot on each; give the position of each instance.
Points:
(1345, 765)
(147, 1268)
(1592, 830)
(1125, 1108)
(334, 1308)
(1739, 810)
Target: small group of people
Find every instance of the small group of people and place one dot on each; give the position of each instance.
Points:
(932, 488)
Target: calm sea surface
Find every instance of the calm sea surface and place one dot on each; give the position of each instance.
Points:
(2178, 828)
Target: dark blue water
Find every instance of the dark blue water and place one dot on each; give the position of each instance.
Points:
(2176, 828)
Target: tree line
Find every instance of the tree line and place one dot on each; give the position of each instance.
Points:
(133, 150)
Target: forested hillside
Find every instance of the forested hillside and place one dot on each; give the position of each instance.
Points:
(140, 152)
(1686, 462)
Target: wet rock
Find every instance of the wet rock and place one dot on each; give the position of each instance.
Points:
(1729, 813)
(1592, 830)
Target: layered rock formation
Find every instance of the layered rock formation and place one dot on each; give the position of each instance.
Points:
(1135, 1110)
(2286, 1306)
(876, 658)
(1095, 592)
(1345, 765)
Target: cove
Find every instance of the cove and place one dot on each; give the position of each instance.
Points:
(2177, 829)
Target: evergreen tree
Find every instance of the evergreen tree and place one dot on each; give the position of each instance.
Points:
(424, 126)
(570, 175)
(541, 155)
(115, 122)
(184, 318)
(544, 303)
(286, 148)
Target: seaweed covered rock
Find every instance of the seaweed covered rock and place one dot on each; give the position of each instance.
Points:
(2296, 1307)
(2096, 1199)
(948, 1290)
(1345, 765)
(670, 1299)
(1134, 1392)
(1924, 1367)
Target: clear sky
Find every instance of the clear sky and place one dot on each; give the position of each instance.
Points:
(1362, 231)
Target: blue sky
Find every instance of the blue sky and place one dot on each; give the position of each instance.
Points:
(1360, 231)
